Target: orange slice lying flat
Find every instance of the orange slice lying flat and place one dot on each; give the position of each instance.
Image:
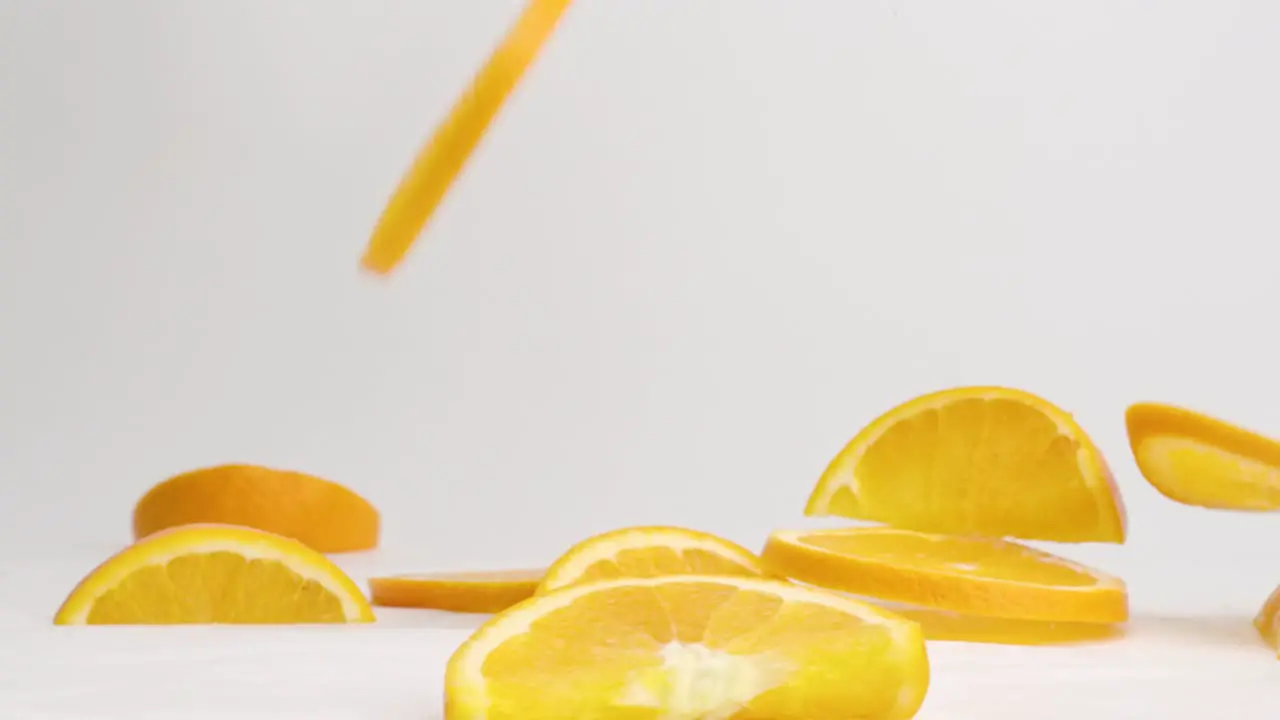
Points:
(475, 592)
(324, 515)
(436, 166)
(215, 574)
(976, 461)
(650, 552)
(689, 647)
(977, 576)
(1199, 460)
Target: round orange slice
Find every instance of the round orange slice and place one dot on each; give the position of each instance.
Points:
(1198, 460)
(1268, 620)
(690, 647)
(650, 551)
(976, 576)
(323, 514)
(470, 592)
(988, 461)
(215, 574)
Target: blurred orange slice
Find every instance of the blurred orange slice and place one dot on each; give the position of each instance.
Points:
(690, 647)
(650, 551)
(1199, 460)
(976, 576)
(472, 592)
(325, 515)
(215, 574)
(988, 461)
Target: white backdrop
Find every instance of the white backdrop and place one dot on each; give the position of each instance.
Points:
(704, 244)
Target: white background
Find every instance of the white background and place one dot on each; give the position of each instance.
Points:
(702, 246)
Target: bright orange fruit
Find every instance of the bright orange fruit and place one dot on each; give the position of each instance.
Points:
(471, 592)
(215, 574)
(689, 647)
(976, 576)
(325, 515)
(988, 461)
(1199, 460)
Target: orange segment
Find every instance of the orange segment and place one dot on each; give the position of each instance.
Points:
(1199, 460)
(436, 166)
(689, 647)
(976, 461)
(214, 574)
(477, 592)
(649, 551)
(977, 576)
(323, 514)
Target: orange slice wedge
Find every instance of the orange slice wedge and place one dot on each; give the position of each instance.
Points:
(215, 574)
(976, 576)
(976, 461)
(650, 552)
(1202, 461)
(323, 514)
(690, 647)
(473, 592)
(443, 157)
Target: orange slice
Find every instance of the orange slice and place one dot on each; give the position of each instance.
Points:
(1199, 460)
(649, 551)
(476, 592)
(215, 574)
(976, 461)
(690, 647)
(977, 576)
(1268, 620)
(320, 513)
(440, 161)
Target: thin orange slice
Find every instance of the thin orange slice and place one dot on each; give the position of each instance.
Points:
(215, 574)
(1268, 620)
(443, 157)
(323, 514)
(650, 551)
(1199, 460)
(473, 592)
(976, 461)
(976, 576)
(690, 647)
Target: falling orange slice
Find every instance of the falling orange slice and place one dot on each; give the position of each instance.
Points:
(325, 515)
(986, 461)
(976, 576)
(690, 647)
(1199, 460)
(443, 157)
(650, 552)
(215, 574)
(475, 592)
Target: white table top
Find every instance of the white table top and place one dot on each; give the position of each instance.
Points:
(1169, 668)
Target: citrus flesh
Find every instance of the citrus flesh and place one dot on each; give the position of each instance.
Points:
(649, 551)
(1267, 620)
(470, 592)
(215, 574)
(442, 159)
(976, 576)
(1202, 461)
(323, 514)
(686, 648)
(988, 461)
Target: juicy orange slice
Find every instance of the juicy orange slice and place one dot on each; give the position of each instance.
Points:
(440, 161)
(977, 576)
(323, 514)
(689, 647)
(1268, 620)
(649, 551)
(976, 461)
(475, 592)
(215, 574)
(1199, 460)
